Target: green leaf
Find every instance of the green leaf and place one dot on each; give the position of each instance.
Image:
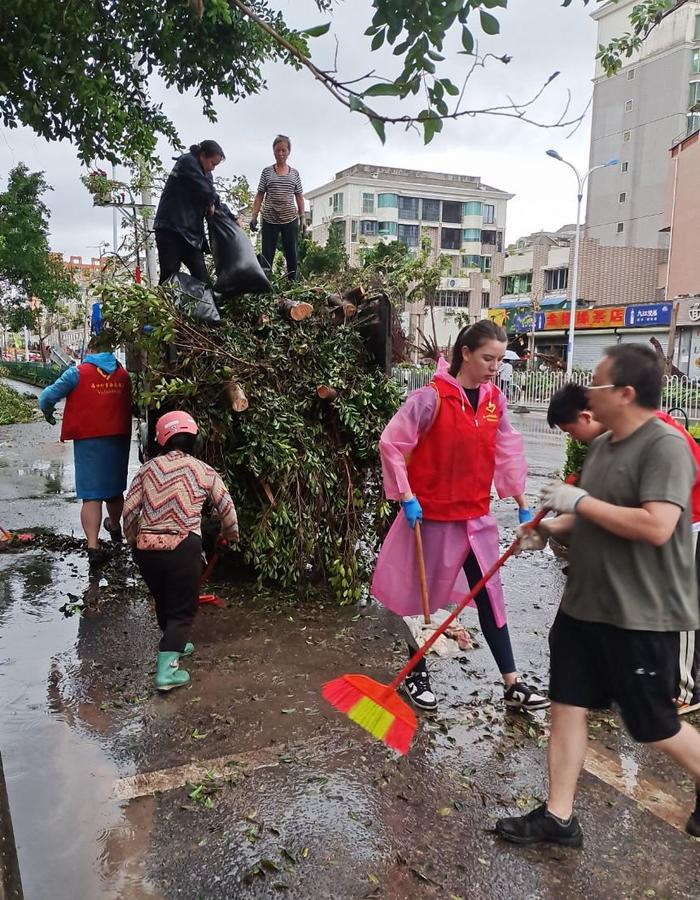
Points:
(431, 127)
(489, 23)
(467, 39)
(450, 88)
(378, 40)
(378, 126)
(317, 30)
(356, 105)
(383, 90)
(435, 56)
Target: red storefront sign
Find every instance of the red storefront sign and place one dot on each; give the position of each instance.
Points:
(600, 317)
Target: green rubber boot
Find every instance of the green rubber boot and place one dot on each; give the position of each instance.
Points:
(168, 675)
(189, 649)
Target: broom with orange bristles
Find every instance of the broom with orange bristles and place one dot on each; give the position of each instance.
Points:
(377, 707)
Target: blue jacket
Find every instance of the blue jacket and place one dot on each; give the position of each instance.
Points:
(68, 380)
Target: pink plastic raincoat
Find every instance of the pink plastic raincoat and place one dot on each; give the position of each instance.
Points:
(445, 544)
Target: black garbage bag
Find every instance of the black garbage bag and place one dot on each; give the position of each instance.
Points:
(194, 297)
(237, 268)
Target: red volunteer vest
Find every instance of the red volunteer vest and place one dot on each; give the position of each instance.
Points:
(100, 406)
(451, 469)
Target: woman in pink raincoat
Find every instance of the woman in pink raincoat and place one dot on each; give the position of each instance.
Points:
(441, 453)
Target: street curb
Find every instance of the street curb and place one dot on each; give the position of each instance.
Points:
(10, 881)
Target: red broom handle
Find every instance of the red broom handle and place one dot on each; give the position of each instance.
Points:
(470, 596)
(421, 574)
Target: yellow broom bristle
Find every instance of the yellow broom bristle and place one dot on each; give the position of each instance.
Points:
(372, 717)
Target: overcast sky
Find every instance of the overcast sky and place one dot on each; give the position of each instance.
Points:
(539, 35)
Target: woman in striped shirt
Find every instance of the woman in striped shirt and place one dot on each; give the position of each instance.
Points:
(283, 210)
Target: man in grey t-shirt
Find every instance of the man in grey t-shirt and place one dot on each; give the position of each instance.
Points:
(631, 589)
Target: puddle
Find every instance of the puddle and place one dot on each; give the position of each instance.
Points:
(59, 777)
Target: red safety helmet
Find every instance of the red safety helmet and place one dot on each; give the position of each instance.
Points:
(177, 422)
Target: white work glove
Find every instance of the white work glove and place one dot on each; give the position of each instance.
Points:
(561, 497)
(530, 538)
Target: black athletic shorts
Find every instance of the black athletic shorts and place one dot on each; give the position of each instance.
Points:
(593, 664)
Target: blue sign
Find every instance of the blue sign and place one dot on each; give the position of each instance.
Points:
(522, 321)
(539, 321)
(644, 316)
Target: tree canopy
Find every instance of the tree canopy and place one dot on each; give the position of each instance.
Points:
(32, 279)
(80, 71)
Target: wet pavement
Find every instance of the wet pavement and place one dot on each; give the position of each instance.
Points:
(245, 783)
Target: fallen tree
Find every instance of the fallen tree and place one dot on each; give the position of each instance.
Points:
(302, 463)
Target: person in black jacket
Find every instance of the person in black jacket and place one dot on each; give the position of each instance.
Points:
(187, 198)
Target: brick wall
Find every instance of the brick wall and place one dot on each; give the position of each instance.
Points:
(616, 275)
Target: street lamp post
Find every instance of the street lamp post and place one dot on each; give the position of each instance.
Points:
(581, 181)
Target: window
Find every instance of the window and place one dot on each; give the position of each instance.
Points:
(492, 239)
(430, 210)
(353, 230)
(697, 28)
(368, 203)
(620, 227)
(409, 234)
(489, 214)
(339, 228)
(452, 298)
(485, 300)
(695, 62)
(408, 207)
(472, 208)
(471, 261)
(693, 122)
(693, 93)
(556, 279)
(471, 234)
(625, 167)
(517, 284)
(386, 200)
(485, 265)
(451, 238)
(337, 203)
(387, 227)
(451, 211)
(622, 197)
(628, 105)
(368, 227)
(630, 74)
(626, 135)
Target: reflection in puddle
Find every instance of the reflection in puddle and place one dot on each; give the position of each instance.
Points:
(71, 840)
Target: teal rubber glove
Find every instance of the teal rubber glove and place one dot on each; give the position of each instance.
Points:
(50, 418)
(412, 510)
(524, 515)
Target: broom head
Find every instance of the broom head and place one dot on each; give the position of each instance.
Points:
(374, 707)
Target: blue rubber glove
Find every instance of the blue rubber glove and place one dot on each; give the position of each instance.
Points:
(412, 510)
(524, 515)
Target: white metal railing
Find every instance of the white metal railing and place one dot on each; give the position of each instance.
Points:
(534, 389)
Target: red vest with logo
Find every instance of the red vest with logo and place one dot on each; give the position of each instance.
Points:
(100, 405)
(451, 469)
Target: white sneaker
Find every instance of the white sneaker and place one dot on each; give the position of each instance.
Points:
(417, 687)
(522, 696)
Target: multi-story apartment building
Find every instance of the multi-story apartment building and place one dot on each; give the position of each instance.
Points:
(636, 116)
(462, 217)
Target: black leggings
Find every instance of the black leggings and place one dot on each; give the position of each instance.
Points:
(173, 251)
(173, 577)
(498, 639)
(270, 239)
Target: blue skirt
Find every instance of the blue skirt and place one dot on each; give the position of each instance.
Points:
(101, 466)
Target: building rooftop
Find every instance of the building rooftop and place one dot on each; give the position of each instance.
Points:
(391, 173)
